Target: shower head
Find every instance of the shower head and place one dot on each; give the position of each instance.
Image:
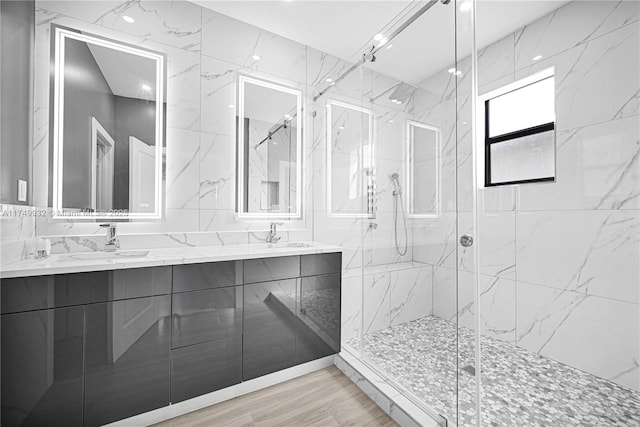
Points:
(395, 176)
(395, 179)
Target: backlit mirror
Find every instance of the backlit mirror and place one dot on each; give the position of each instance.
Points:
(269, 149)
(108, 128)
(350, 174)
(423, 150)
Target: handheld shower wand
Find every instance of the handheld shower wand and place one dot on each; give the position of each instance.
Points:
(397, 194)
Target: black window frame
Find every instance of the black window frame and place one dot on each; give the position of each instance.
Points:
(489, 141)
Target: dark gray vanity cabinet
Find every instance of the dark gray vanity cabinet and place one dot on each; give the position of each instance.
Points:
(269, 337)
(97, 347)
(127, 358)
(42, 367)
(294, 320)
(85, 348)
(206, 345)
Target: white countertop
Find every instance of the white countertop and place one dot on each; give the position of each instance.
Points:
(73, 262)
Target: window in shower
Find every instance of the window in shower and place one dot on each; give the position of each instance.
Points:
(423, 179)
(350, 174)
(520, 132)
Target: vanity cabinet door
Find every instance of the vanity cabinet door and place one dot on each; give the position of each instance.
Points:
(318, 326)
(267, 269)
(206, 341)
(42, 361)
(269, 336)
(127, 370)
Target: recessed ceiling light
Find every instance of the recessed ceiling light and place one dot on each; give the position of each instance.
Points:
(537, 57)
(146, 87)
(256, 57)
(465, 6)
(231, 106)
(340, 127)
(389, 47)
(378, 37)
(329, 80)
(127, 18)
(451, 70)
(390, 121)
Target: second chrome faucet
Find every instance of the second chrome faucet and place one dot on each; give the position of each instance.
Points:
(272, 236)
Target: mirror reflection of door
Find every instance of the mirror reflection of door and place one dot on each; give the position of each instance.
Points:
(141, 175)
(102, 149)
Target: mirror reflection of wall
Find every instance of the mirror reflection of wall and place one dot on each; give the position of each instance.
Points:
(269, 142)
(349, 159)
(423, 159)
(107, 125)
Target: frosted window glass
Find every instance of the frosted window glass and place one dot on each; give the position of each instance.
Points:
(529, 157)
(522, 108)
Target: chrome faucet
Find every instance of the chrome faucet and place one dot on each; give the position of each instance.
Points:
(273, 230)
(112, 243)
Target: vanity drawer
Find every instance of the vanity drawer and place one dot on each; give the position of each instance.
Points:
(313, 265)
(194, 277)
(267, 269)
(62, 290)
(202, 368)
(208, 315)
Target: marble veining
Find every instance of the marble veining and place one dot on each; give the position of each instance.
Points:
(71, 263)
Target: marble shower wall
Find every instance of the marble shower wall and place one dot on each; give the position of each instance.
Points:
(206, 51)
(559, 270)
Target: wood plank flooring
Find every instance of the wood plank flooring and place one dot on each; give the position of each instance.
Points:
(323, 398)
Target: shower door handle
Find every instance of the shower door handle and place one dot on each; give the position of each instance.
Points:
(466, 240)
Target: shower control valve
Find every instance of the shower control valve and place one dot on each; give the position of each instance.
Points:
(466, 240)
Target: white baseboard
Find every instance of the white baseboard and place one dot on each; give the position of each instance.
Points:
(181, 408)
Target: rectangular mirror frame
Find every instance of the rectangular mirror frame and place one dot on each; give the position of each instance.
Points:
(370, 179)
(60, 34)
(410, 172)
(241, 214)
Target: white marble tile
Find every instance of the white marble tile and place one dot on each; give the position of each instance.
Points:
(572, 25)
(173, 23)
(597, 167)
(218, 96)
(351, 310)
(597, 335)
(497, 305)
(40, 158)
(435, 241)
(581, 97)
(217, 171)
(183, 164)
(376, 302)
(496, 240)
(410, 294)
(445, 293)
(496, 60)
(231, 40)
(590, 252)
(183, 89)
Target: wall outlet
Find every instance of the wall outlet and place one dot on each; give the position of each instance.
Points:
(22, 190)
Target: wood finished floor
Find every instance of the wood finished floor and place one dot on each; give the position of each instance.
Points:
(323, 398)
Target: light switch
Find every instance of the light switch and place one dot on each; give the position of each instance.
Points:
(22, 190)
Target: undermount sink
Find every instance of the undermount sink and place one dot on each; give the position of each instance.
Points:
(106, 255)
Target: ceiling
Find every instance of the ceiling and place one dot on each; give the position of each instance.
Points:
(126, 74)
(346, 28)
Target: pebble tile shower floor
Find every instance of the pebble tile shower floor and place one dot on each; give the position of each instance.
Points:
(520, 388)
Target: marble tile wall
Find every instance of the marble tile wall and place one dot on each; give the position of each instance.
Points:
(559, 269)
(205, 51)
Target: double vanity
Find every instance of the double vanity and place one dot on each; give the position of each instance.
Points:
(92, 338)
